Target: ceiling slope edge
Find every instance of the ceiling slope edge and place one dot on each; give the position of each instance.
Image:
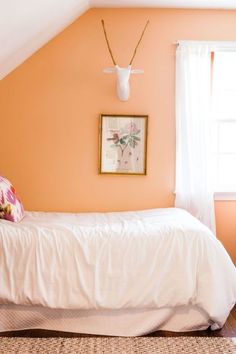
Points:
(14, 56)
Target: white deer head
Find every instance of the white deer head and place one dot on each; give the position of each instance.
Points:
(123, 74)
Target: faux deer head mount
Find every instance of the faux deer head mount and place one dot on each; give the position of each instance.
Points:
(123, 74)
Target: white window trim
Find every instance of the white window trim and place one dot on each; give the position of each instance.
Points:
(222, 195)
(225, 196)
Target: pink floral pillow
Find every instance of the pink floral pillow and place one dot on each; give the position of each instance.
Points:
(11, 207)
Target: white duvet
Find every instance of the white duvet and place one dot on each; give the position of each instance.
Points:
(145, 259)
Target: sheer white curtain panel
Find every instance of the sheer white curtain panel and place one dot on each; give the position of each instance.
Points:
(193, 156)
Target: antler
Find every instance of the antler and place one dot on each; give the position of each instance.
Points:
(108, 45)
(135, 50)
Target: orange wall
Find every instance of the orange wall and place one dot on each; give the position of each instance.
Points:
(49, 110)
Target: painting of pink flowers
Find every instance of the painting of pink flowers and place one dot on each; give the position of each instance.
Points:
(123, 144)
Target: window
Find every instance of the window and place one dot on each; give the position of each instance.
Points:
(224, 121)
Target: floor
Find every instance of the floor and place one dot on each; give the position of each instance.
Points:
(229, 330)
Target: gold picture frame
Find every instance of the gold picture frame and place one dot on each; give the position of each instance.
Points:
(123, 144)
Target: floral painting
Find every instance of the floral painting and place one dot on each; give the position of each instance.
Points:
(123, 141)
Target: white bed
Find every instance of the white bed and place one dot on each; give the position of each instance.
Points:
(125, 273)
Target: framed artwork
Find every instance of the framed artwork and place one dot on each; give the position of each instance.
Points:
(123, 144)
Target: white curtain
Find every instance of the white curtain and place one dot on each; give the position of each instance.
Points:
(193, 162)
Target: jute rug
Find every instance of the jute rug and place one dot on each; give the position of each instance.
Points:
(117, 345)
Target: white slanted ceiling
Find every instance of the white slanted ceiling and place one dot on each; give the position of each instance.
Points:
(26, 25)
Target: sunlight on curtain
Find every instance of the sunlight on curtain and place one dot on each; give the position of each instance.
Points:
(194, 190)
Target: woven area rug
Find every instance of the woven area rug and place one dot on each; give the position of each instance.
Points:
(119, 345)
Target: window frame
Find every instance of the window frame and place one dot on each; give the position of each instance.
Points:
(221, 192)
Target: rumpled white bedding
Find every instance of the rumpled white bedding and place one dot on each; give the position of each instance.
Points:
(145, 259)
